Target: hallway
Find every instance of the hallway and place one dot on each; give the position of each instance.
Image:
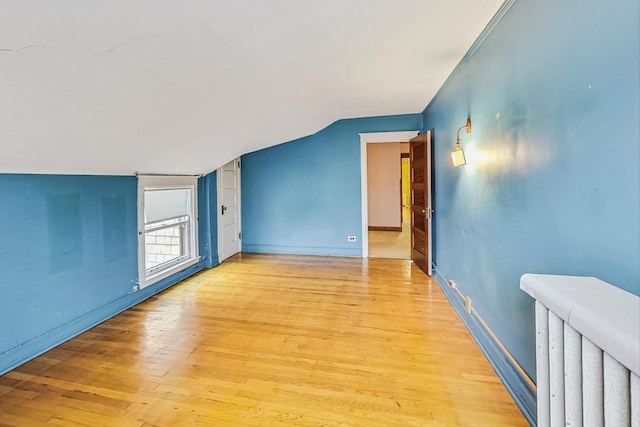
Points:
(391, 244)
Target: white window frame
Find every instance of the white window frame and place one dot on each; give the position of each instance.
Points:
(167, 183)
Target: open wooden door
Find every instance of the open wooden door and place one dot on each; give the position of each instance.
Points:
(420, 154)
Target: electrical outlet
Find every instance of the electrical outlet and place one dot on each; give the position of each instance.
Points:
(351, 238)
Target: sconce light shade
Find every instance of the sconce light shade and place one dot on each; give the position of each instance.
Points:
(457, 156)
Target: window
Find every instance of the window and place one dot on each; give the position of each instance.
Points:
(167, 226)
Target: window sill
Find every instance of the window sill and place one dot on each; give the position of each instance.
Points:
(153, 278)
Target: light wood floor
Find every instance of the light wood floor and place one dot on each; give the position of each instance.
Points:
(267, 340)
(391, 244)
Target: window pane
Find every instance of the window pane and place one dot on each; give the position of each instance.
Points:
(165, 246)
(163, 204)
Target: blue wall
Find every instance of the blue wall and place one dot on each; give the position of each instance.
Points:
(303, 197)
(208, 220)
(552, 185)
(68, 256)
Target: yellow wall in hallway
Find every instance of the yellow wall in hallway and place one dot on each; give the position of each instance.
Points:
(406, 190)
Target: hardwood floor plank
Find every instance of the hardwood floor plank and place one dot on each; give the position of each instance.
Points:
(271, 340)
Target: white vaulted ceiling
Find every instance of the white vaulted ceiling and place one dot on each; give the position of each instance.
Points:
(178, 86)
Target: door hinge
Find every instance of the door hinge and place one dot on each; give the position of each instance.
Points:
(240, 235)
(238, 163)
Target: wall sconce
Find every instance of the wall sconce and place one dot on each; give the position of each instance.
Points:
(457, 155)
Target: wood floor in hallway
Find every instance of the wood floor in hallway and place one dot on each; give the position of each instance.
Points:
(271, 340)
(391, 244)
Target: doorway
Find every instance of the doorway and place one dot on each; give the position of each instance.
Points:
(389, 205)
(382, 235)
(229, 223)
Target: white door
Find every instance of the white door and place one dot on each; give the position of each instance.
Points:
(229, 237)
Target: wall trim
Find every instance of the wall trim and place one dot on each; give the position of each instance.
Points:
(373, 138)
(210, 262)
(517, 386)
(301, 250)
(33, 348)
(376, 228)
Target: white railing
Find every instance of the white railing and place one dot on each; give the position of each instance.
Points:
(587, 351)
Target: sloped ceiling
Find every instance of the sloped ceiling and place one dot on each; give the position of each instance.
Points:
(176, 86)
